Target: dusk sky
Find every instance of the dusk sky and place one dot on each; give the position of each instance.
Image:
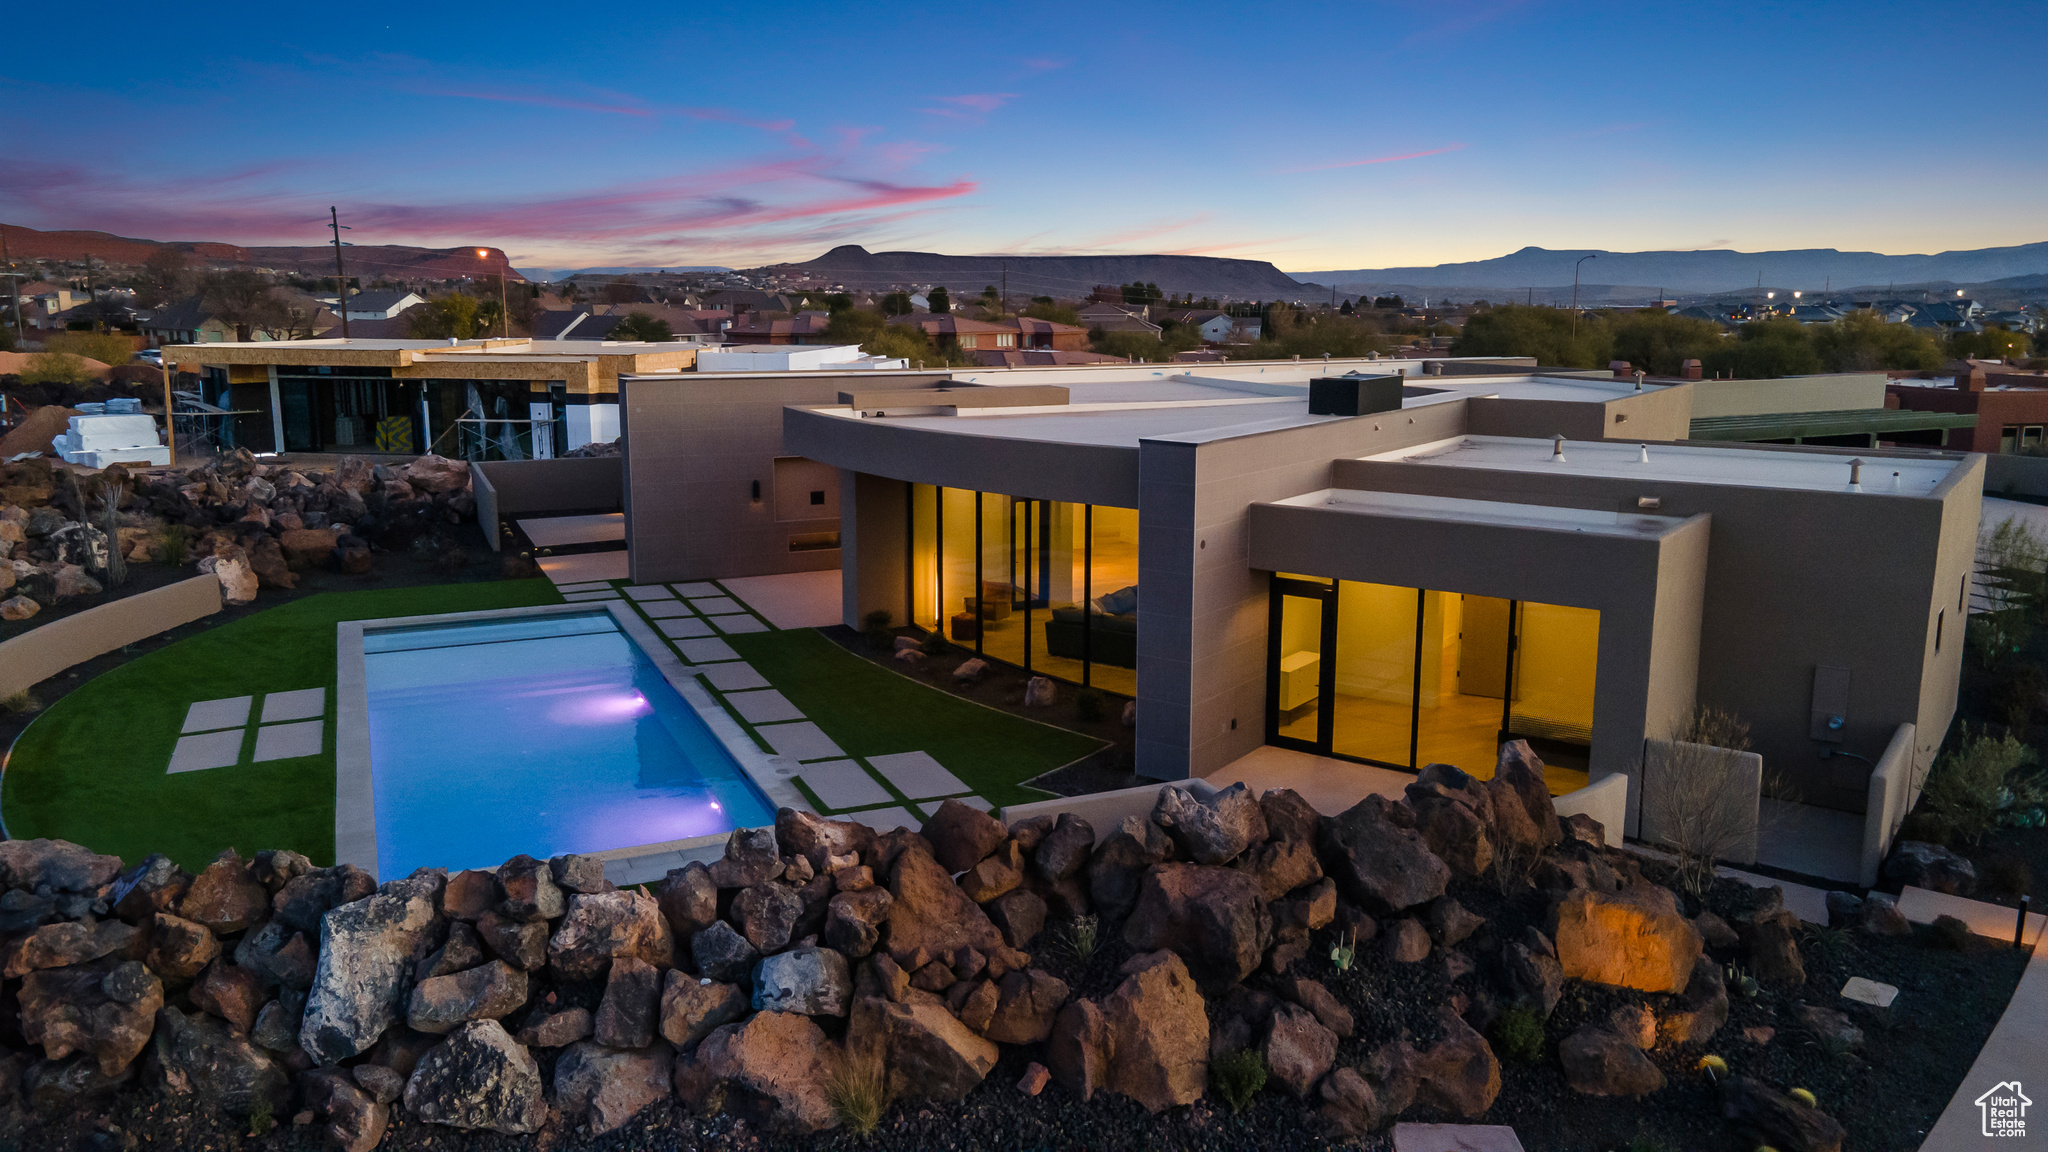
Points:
(1316, 136)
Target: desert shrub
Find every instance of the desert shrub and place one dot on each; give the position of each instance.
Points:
(1088, 706)
(109, 348)
(1689, 806)
(1518, 1035)
(1081, 937)
(1238, 1077)
(2005, 876)
(858, 1092)
(1951, 933)
(1980, 780)
(174, 545)
(261, 1120)
(875, 626)
(54, 368)
(21, 703)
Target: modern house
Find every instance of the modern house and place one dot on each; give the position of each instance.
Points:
(1391, 569)
(486, 399)
(377, 303)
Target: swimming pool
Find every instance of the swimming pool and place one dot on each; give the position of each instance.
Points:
(541, 734)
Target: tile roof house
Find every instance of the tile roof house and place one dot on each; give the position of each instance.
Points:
(960, 331)
(1040, 358)
(1035, 333)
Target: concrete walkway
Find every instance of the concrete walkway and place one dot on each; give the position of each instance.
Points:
(2017, 1052)
(794, 599)
(1330, 786)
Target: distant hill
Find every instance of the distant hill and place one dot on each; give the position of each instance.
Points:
(551, 275)
(1064, 276)
(397, 261)
(1717, 270)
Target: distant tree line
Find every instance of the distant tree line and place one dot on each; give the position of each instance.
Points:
(1660, 343)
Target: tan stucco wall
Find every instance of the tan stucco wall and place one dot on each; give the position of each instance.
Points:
(1202, 623)
(1656, 413)
(1832, 393)
(695, 444)
(44, 651)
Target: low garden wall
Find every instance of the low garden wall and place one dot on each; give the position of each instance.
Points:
(1605, 800)
(37, 655)
(1891, 793)
(1694, 792)
(510, 488)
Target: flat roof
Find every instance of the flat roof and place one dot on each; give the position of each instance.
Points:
(1410, 506)
(1119, 409)
(1917, 475)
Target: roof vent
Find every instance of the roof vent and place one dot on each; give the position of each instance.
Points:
(1645, 457)
(1353, 395)
(1856, 472)
(1557, 449)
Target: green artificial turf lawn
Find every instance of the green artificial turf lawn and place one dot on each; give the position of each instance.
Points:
(871, 711)
(91, 769)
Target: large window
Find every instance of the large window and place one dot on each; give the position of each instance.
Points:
(1406, 677)
(1044, 585)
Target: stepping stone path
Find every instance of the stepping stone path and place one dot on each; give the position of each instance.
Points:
(918, 776)
(287, 726)
(693, 616)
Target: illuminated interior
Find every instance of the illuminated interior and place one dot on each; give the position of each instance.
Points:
(1413, 676)
(1047, 586)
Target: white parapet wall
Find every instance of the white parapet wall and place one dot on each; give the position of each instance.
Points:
(1605, 800)
(1891, 792)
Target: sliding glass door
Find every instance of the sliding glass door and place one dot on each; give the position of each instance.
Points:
(1404, 677)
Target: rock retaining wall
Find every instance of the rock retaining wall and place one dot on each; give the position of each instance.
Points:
(816, 951)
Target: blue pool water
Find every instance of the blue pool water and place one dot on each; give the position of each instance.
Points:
(542, 735)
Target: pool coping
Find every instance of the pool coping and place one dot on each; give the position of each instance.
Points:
(355, 804)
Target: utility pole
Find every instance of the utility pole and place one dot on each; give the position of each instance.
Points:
(92, 294)
(340, 279)
(13, 284)
(1575, 291)
(1006, 287)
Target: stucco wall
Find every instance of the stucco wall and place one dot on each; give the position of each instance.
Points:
(1839, 392)
(42, 652)
(1681, 779)
(1894, 788)
(695, 445)
(1202, 630)
(512, 488)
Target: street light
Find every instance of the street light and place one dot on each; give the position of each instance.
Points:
(1575, 291)
(504, 314)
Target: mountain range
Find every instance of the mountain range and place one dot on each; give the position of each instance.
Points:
(1696, 273)
(398, 261)
(1068, 277)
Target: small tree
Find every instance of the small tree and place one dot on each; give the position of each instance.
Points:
(452, 315)
(642, 326)
(166, 276)
(239, 298)
(941, 303)
(896, 304)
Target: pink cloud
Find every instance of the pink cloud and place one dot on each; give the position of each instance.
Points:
(1377, 160)
(766, 204)
(971, 107)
